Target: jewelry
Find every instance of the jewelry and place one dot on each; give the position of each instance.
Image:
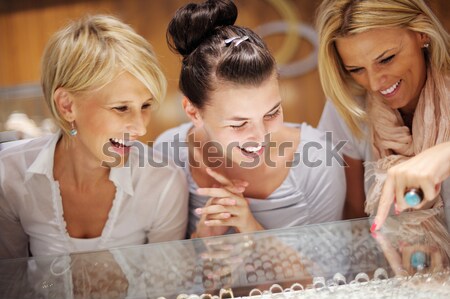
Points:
(237, 39)
(413, 196)
(228, 292)
(426, 45)
(73, 131)
(380, 274)
(339, 279)
(319, 282)
(362, 277)
(296, 287)
(419, 260)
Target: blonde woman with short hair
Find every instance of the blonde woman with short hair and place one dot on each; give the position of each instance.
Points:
(384, 64)
(86, 188)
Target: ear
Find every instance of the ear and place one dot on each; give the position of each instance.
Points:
(64, 104)
(192, 112)
(423, 38)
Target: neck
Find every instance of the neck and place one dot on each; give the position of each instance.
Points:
(407, 118)
(77, 165)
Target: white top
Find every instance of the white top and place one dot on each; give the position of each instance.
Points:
(307, 195)
(355, 148)
(150, 203)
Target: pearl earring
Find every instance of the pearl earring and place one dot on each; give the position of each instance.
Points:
(426, 45)
(73, 131)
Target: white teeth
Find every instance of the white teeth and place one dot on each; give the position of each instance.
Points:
(390, 89)
(253, 149)
(121, 142)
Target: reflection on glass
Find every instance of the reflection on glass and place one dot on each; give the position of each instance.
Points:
(408, 258)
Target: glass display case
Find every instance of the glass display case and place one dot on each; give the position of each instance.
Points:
(408, 258)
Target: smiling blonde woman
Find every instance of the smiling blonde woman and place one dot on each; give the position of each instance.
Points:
(384, 64)
(85, 187)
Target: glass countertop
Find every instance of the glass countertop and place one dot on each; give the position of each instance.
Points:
(408, 258)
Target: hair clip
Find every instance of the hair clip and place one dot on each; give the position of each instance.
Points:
(238, 39)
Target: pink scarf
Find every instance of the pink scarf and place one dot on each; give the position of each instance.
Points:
(393, 141)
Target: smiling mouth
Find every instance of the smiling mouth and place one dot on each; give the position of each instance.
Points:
(391, 89)
(252, 151)
(120, 143)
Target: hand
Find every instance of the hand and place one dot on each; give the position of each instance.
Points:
(223, 260)
(226, 208)
(410, 258)
(426, 170)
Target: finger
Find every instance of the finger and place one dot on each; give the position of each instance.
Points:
(238, 182)
(217, 222)
(224, 201)
(214, 192)
(400, 188)
(215, 255)
(386, 199)
(391, 254)
(219, 216)
(211, 209)
(429, 191)
(218, 177)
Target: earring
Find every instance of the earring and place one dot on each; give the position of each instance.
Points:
(426, 45)
(73, 131)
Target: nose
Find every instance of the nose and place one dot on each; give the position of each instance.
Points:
(259, 132)
(377, 80)
(137, 124)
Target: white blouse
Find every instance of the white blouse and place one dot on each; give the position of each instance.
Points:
(150, 203)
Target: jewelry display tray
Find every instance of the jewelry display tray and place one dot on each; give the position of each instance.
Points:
(408, 258)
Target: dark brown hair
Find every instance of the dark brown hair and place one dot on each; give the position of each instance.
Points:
(198, 33)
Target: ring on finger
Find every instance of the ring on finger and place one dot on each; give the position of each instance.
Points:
(413, 196)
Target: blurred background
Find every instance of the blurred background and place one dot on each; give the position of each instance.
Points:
(26, 25)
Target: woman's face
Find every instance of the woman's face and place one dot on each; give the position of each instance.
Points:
(108, 120)
(388, 62)
(240, 117)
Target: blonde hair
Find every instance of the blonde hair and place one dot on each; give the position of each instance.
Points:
(90, 53)
(340, 18)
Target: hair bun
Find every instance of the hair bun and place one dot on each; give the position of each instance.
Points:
(193, 23)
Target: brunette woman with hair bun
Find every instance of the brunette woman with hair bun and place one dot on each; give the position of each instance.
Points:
(248, 170)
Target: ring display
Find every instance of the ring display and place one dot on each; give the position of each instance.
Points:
(413, 196)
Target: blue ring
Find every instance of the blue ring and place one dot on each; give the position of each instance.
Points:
(419, 260)
(413, 197)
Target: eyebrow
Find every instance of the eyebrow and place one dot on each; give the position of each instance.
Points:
(378, 57)
(238, 118)
(124, 102)
(382, 54)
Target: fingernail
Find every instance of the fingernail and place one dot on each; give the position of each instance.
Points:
(240, 189)
(373, 227)
(374, 234)
(396, 211)
(198, 211)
